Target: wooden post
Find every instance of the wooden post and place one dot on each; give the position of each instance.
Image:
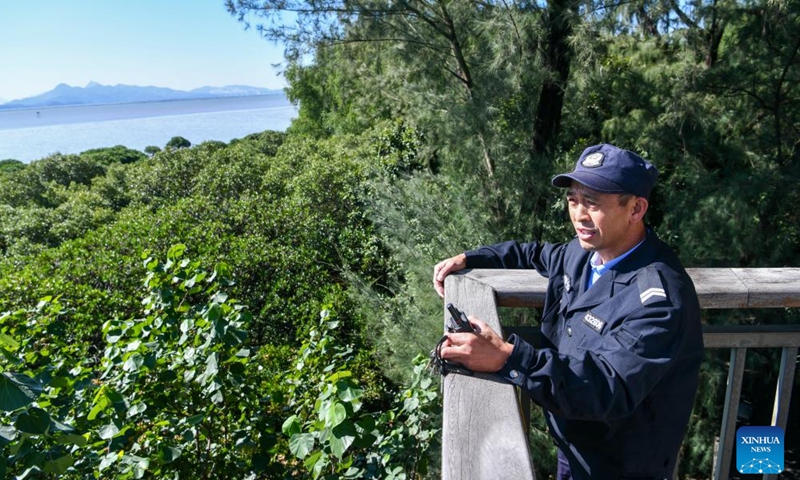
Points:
(727, 434)
(482, 432)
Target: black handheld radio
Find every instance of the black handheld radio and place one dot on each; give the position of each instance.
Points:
(458, 322)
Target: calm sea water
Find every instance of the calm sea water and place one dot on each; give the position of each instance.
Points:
(32, 134)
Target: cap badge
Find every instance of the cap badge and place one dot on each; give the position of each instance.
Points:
(592, 161)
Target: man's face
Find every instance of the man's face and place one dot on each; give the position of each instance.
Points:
(601, 223)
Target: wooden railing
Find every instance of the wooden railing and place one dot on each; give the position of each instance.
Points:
(484, 431)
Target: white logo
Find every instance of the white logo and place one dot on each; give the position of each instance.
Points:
(567, 283)
(593, 160)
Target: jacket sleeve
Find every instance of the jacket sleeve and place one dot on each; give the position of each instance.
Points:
(513, 254)
(606, 379)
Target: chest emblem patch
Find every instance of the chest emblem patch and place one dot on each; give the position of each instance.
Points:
(593, 321)
(567, 283)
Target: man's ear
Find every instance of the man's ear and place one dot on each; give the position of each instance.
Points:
(640, 205)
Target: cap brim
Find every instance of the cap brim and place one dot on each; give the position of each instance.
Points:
(595, 182)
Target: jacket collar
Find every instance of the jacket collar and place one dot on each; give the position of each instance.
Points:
(621, 274)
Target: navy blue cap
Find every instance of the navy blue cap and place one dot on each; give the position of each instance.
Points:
(610, 169)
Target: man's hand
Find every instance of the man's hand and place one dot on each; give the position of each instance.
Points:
(444, 268)
(482, 351)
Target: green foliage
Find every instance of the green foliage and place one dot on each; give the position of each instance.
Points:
(177, 142)
(334, 437)
(10, 165)
(287, 225)
(172, 384)
(151, 150)
(117, 154)
(176, 393)
(266, 142)
(181, 372)
(34, 185)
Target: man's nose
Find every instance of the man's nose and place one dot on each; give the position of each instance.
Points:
(581, 212)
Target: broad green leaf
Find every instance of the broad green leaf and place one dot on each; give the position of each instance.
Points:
(311, 460)
(320, 465)
(136, 409)
(301, 444)
(219, 297)
(96, 410)
(133, 363)
(354, 472)
(10, 358)
(7, 435)
(335, 415)
(71, 439)
(139, 464)
(341, 438)
(59, 466)
(176, 251)
(347, 391)
(17, 390)
(291, 426)
(34, 470)
(8, 341)
(57, 426)
(34, 420)
(243, 353)
(340, 375)
(108, 432)
(116, 399)
(168, 454)
(211, 369)
(187, 325)
(100, 403)
(108, 460)
(213, 313)
(195, 419)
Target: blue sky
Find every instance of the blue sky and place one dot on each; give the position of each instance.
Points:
(181, 44)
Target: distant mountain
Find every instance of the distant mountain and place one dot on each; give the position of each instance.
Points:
(96, 94)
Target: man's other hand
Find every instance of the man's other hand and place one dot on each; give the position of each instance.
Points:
(445, 268)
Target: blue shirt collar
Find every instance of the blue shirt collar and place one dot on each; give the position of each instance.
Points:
(598, 270)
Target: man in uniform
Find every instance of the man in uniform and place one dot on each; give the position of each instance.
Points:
(621, 340)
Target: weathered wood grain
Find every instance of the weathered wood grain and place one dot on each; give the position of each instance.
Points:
(483, 437)
(771, 287)
(716, 287)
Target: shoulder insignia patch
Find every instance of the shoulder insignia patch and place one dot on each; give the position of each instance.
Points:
(593, 321)
(651, 287)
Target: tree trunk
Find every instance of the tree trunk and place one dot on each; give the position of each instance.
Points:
(556, 60)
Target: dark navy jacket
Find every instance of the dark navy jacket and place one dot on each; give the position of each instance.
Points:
(617, 372)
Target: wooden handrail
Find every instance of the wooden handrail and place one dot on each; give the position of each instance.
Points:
(716, 287)
(484, 435)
